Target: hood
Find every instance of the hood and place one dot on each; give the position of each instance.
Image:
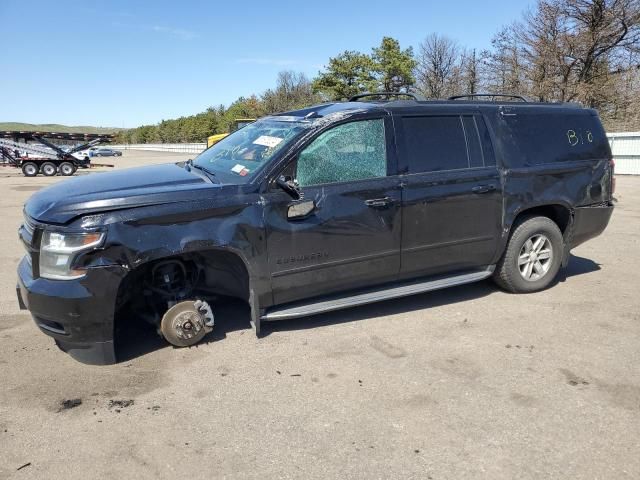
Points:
(132, 187)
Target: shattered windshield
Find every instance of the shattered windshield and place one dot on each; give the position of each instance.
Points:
(236, 158)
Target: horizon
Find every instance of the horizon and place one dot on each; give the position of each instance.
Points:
(133, 65)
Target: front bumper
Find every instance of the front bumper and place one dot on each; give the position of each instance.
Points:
(78, 314)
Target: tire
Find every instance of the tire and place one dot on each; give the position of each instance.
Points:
(48, 169)
(67, 169)
(532, 258)
(98, 154)
(29, 169)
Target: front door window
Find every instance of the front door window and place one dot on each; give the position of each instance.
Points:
(348, 152)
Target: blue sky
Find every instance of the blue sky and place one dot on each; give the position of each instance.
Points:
(125, 63)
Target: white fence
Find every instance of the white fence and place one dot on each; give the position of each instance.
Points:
(626, 152)
(164, 147)
(625, 148)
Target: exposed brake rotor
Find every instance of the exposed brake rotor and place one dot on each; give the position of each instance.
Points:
(186, 323)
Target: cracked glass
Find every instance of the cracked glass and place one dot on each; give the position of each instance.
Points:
(348, 152)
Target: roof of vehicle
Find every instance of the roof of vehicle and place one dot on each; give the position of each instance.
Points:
(325, 109)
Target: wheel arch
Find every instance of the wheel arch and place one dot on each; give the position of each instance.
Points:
(223, 271)
(559, 212)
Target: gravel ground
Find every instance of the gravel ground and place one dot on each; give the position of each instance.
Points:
(469, 382)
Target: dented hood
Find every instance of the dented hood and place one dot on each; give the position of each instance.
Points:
(133, 187)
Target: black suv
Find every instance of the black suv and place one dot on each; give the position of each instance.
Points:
(315, 210)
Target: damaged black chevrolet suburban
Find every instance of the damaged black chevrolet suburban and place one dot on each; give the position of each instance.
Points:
(315, 210)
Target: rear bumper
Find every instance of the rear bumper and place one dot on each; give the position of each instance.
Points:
(78, 314)
(589, 222)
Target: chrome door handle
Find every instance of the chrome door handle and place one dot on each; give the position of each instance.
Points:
(378, 202)
(483, 188)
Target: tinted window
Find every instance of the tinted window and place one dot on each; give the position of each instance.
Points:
(536, 139)
(352, 151)
(485, 140)
(472, 135)
(434, 143)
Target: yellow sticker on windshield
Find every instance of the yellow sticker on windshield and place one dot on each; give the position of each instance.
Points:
(267, 141)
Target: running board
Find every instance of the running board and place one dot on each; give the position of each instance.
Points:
(338, 302)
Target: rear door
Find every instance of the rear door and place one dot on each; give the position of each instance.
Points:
(351, 236)
(452, 194)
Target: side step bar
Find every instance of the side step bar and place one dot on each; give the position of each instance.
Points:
(371, 295)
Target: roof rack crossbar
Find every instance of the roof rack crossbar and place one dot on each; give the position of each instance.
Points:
(383, 94)
(485, 95)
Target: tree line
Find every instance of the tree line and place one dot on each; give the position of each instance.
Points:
(584, 51)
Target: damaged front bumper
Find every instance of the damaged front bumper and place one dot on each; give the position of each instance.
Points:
(78, 314)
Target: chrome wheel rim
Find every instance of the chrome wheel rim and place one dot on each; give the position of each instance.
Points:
(48, 170)
(535, 258)
(30, 169)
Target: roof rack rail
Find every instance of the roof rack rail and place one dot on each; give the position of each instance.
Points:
(486, 95)
(383, 94)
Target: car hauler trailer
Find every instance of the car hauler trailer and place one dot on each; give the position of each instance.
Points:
(49, 160)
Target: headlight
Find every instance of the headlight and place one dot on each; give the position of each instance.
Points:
(58, 250)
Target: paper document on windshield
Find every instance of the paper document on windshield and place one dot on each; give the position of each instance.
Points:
(267, 141)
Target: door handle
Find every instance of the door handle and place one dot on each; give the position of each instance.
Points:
(378, 202)
(483, 188)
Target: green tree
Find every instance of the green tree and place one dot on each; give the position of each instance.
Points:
(393, 66)
(346, 75)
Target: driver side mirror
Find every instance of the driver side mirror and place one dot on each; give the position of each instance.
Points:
(288, 185)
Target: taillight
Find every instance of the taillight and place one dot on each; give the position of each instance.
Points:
(613, 178)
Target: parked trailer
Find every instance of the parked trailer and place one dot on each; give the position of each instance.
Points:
(49, 162)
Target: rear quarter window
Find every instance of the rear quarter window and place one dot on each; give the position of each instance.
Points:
(538, 139)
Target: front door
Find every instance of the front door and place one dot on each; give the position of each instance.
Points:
(345, 231)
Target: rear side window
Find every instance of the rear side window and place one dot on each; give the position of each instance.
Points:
(536, 139)
(440, 143)
(433, 144)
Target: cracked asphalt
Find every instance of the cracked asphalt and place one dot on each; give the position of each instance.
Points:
(469, 382)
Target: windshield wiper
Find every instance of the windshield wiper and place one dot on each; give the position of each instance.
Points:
(200, 167)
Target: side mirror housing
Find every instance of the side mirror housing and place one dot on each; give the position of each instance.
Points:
(288, 186)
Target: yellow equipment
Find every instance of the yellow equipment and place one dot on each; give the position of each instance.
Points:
(238, 123)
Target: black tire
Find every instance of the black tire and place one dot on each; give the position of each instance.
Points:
(522, 269)
(48, 169)
(67, 169)
(29, 169)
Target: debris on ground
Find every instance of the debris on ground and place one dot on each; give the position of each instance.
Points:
(70, 403)
(23, 466)
(117, 405)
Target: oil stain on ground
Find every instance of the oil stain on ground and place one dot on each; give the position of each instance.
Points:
(387, 349)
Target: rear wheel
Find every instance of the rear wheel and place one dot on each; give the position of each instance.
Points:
(49, 169)
(29, 169)
(67, 169)
(532, 258)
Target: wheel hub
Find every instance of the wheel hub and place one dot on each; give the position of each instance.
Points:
(535, 259)
(186, 323)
